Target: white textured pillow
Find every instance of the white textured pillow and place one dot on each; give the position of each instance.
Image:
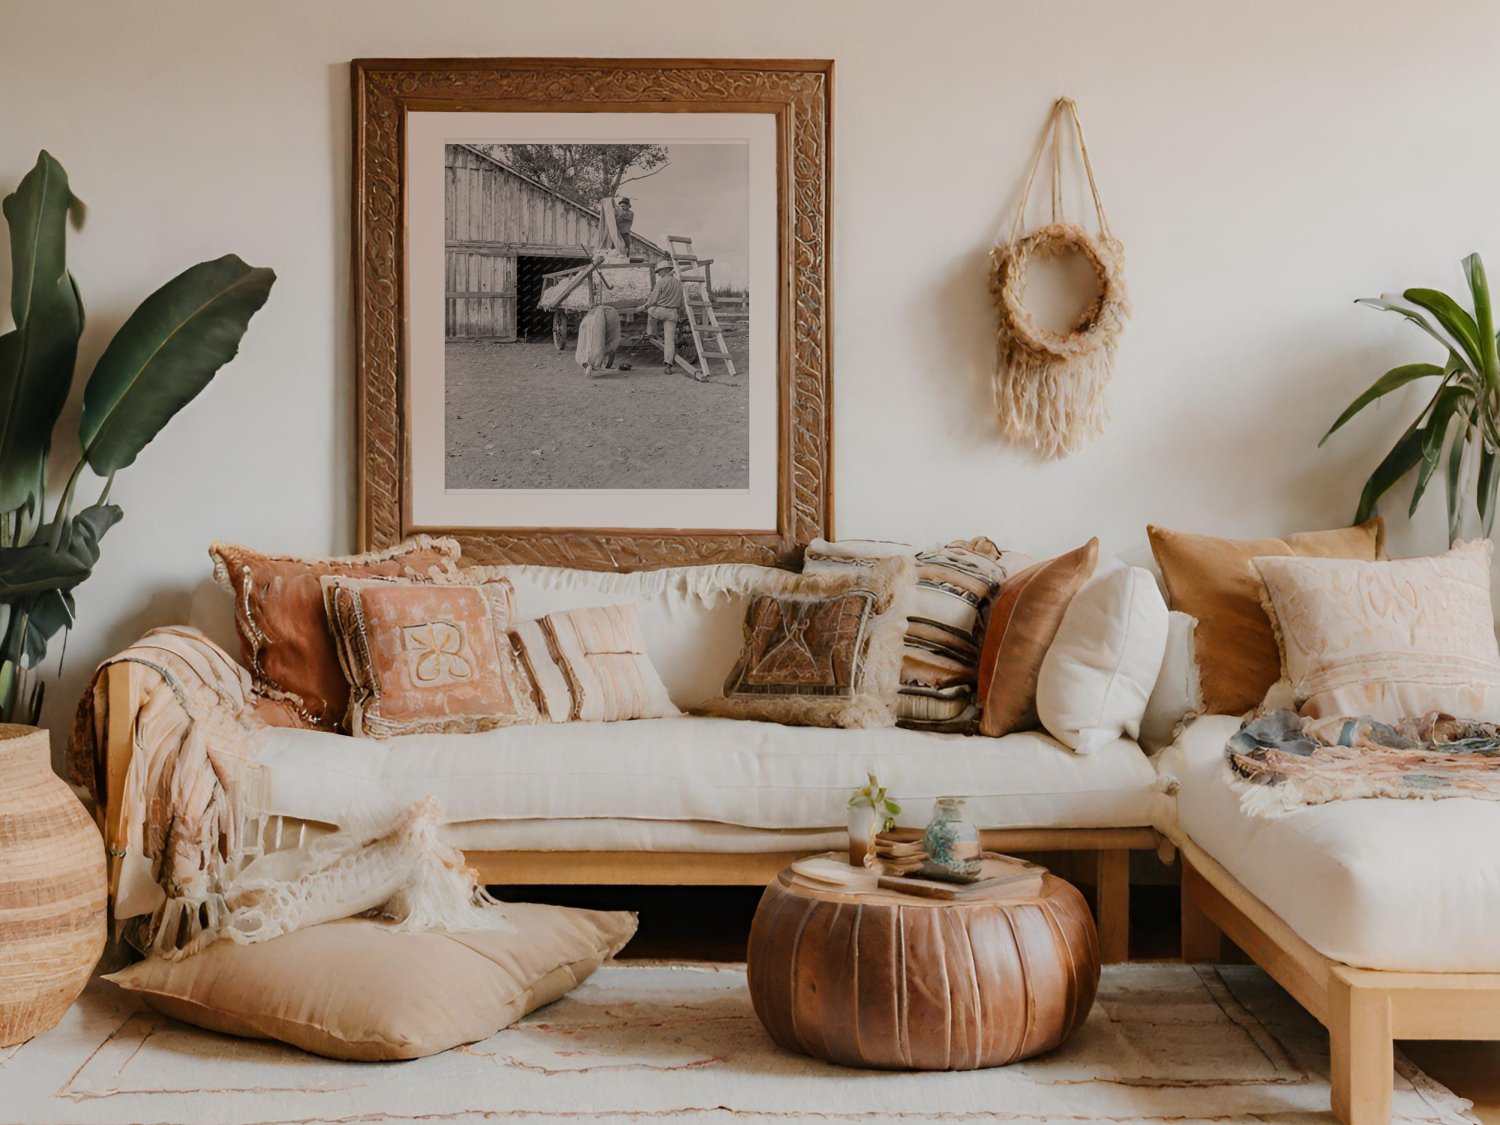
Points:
(1099, 671)
(1388, 640)
(1178, 694)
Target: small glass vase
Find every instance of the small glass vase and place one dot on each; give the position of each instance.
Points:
(951, 843)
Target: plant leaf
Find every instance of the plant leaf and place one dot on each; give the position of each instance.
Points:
(1445, 404)
(37, 356)
(1393, 379)
(1455, 476)
(1454, 319)
(168, 351)
(35, 568)
(1402, 458)
(1392, 302)
(1484, 316)
(1488, 480)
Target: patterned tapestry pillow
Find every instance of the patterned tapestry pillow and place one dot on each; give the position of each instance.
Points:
(1022, 626)
(1387, 640)
(424, 657)
(823, 649)
(956, 584)
(1214, 580)
(590, 665)
(284, 634)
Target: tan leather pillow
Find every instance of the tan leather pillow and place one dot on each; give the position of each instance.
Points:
(1023, 622)
(285, 640)
(357, 990)
(427, 657)
(1214, 580)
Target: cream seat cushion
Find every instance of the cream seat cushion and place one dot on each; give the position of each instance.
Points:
(729, 771)
(357, 990)
(1377, 884)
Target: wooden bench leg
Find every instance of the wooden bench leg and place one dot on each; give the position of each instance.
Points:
(1202, 941)
(1361, 1052)
(1112, 886)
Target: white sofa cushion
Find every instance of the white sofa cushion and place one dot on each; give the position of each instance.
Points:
(1101, 665)
(1378, 884)
(691, 617)
(731, 771)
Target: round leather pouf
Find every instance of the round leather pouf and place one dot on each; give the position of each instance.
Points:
(888, 980)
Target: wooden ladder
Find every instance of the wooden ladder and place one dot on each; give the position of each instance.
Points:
(702, 320)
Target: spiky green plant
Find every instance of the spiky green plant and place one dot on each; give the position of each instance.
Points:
(163, 355)
(1457, 427)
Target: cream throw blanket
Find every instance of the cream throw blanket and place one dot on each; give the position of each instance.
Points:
(191, 841)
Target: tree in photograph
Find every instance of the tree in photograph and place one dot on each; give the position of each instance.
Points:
(583, 173)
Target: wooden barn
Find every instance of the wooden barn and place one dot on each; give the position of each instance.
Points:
(504, 231)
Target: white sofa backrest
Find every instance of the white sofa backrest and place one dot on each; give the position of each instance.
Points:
(691, 617)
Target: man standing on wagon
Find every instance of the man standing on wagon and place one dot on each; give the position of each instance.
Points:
(665, 305)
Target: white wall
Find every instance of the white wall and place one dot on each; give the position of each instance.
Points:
(1264, 164)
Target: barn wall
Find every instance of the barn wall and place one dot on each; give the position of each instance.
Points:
(491, 215)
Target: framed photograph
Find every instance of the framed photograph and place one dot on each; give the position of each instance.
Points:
(592, 307)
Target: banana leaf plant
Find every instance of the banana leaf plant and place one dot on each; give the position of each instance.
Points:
(164, 354)
(1457, 428)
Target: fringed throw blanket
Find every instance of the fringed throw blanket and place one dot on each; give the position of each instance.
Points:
(1281, 761)
(190, 840)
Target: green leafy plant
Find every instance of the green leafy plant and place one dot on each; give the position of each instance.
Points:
(1457, 427)
(164, 354)
(873, 796)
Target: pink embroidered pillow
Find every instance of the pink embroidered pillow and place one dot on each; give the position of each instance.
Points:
(1390, 640)
(590, 665)
(427, 657)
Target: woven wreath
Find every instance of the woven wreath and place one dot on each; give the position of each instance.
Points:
(1049, 386)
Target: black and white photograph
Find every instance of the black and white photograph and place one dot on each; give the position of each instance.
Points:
(597, 314)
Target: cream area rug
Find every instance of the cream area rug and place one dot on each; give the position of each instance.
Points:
(648, 1042)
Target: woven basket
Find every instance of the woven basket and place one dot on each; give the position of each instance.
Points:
(52, 889)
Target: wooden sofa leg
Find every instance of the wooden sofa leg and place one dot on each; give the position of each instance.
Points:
(1202, 941)
(1112, 886)
(1361, 1052)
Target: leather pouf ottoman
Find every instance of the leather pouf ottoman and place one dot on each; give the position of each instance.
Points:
(889, 980)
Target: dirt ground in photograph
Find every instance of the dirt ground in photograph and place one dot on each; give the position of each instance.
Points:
(524, 415)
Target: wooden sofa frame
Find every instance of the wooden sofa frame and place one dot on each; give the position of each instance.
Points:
(1364, 1010)
(1111, 846)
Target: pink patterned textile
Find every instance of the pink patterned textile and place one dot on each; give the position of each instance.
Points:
(1280, 761)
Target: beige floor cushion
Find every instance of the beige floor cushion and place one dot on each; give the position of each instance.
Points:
(358, 990)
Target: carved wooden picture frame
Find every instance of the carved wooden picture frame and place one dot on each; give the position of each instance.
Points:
(795, 94)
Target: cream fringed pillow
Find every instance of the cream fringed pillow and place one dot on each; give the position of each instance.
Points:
(427, 657)
(356, 990)
(590, 665)
(823, 650)
(1388, 640)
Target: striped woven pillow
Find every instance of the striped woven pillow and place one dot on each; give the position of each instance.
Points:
(955, 585)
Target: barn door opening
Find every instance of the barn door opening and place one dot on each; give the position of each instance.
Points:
(533, 323)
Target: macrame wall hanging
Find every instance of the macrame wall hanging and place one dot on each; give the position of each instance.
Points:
(1049, 386)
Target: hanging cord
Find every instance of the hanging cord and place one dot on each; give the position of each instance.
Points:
(1052, 137)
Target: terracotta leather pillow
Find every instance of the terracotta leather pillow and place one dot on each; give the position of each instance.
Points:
(1023, 622)
(427, 657)
(1215, 581)
(358, 990)
(285, 640)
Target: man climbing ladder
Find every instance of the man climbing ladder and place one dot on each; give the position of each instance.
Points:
(665, 307)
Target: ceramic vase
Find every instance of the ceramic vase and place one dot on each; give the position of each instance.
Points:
(52, 888)
(951, 843)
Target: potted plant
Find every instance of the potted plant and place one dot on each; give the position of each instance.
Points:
(1457, 427)
(164, 354)
(52, 870)
(871, 811)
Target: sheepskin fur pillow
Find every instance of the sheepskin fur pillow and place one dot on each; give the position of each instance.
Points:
(823, 649)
